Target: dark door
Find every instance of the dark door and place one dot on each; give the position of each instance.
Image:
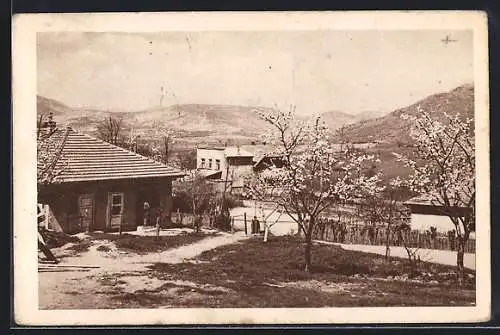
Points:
(115, 209)
(86, 209)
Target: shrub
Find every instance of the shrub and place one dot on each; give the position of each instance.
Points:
(223, 222)
(232, 201)
(182, 201)
(103, 248)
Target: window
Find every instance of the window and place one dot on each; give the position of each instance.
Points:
(116, 203)
(217, 164)
(210, 163)
(203, 163)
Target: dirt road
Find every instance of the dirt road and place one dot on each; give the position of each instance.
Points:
(118, 273)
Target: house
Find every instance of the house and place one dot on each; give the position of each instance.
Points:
(233, 163)
(267, 161)
(103, 187)
(426, 213)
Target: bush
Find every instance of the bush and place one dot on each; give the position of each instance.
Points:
(232, 201)
(103, 248)
(182, 201)
(223, 222)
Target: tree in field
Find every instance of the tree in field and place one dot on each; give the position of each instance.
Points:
(200, 194)
(382, 206)
(132, 140)
(187, 159)
(313, 176)
(110, 130)
(444, 170)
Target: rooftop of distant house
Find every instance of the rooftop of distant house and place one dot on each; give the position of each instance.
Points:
(428, 200)
(229, 151)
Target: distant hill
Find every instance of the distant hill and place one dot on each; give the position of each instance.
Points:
(337, 119)
(219, 122)
(226, 123)
(392, 128)
(46, 105)
(81, 119)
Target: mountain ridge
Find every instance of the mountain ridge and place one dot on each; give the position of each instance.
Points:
(235, 121)
(392, 128)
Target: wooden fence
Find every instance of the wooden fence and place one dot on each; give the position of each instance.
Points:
(360, 234)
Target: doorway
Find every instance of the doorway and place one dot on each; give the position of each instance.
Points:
(151, 196)
(115, 209)
(86, 211)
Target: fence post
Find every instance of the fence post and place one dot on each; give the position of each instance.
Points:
(46, 212)
(232, 224)
(245, 219)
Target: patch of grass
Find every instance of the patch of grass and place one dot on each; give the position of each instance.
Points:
(145, 244)
(104, 248)
(247, 268)
(82, 246)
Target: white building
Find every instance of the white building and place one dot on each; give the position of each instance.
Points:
(234, 163)
(425, 214)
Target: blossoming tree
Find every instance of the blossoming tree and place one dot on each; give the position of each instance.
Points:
(444, 170)
(50, 164)
(312, 177)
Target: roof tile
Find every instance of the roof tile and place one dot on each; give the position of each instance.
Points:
(86, 158)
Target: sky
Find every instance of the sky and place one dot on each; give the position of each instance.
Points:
(317, 71)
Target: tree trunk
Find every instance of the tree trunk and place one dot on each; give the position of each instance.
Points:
(165, 160)
(308, 252)
(460, 260)
(195, 217)
(387, 243)
(266, 231)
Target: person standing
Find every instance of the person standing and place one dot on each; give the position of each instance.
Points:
(146, 213)
(255, 225)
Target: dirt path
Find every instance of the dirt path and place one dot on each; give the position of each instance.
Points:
(118, 272)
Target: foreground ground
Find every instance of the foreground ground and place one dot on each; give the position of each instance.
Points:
(227, 270)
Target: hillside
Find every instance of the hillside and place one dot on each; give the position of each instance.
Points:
(392, 127)
(81, 119)
(46, 105)
(203, 119)
(337, 119)
(391, 132)
(190, 122)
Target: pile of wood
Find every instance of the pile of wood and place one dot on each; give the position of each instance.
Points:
(47, 267)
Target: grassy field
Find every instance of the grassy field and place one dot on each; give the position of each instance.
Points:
(145, 244)
(257, 274)
(126, 242)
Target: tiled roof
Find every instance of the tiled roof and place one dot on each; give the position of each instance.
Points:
(209, 173)
(427, 200)
(228, 151)
(85, 158)
(236, 152)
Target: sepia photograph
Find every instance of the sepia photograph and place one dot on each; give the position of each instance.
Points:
(251, 168)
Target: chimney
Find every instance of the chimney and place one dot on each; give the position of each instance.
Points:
(51, 124)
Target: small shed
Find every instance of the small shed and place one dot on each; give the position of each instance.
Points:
(104, 187)
(426, 213)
